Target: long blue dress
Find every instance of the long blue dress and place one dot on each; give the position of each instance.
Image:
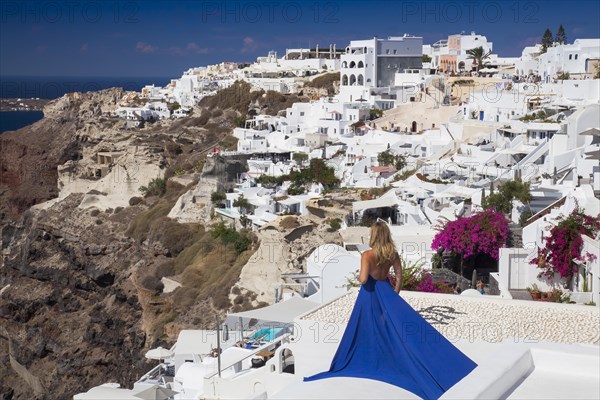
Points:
(387, 340)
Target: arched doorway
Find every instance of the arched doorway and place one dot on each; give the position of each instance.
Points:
(287, 361)
(413, 127)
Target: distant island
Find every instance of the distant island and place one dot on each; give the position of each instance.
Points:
(23, 104)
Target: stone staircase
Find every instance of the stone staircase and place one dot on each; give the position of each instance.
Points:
(516, 235)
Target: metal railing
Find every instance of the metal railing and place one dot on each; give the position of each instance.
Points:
(253, 354)
(156, 371)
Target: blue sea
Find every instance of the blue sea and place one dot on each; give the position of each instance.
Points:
(13, 120)
(52, 87)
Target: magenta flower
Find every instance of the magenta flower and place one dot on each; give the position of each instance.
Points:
(564, 244)
(485, 232)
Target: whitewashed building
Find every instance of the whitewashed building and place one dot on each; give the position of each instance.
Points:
(374, 62)
(577, 59)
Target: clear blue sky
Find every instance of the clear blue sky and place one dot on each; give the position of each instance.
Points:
(160, 38)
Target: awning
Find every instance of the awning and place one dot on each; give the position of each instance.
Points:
(106, 393)
(456, 191)
(283, 312)
(387, 200)
(192, 341)
(514, 151)
(289, 201)
(156, 392)
(511, 130)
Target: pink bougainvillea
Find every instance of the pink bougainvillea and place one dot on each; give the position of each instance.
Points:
(482, 233)
(419, 280)
(564, 244)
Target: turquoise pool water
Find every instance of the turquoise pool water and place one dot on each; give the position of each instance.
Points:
(271, 334)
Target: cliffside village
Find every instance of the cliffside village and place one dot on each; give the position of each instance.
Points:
(459, 128)
(428, 132)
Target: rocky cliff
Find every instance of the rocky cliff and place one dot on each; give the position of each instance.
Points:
(69, 306)
(30, 156)
(74, 310)
(83, 252)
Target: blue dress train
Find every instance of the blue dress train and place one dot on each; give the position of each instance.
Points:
(387, 340)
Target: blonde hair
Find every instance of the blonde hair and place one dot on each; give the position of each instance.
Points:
(382, 244)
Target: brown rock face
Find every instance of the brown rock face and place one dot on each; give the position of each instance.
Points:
(70, 313)
(29, 156)
(79, 303)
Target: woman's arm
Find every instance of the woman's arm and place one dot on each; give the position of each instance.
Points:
(398, 272)
(363, 276)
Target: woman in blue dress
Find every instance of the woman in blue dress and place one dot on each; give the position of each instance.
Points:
(386, 339)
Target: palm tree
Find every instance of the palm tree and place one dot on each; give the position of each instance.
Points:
(478, 55)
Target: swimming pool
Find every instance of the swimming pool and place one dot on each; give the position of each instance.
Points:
(269, 334)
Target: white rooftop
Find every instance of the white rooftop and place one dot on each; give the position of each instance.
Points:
(343, 388)
(284, 311)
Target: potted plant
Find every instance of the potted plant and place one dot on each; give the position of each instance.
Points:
(535, 292)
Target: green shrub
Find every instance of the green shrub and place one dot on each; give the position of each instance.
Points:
(525, 215)
(294, 190)
(508, 191)
(404, 175)
(156, 187)
(229, 236)
(268, 180)
(386, 158)
(375, 113)
(300, 157)
(217, 197)
(239, 121)
(242, 203)
(335, 224)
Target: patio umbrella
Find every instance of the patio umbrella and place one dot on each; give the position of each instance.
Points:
(591, 132)
(156, 393)
(159, 353)
(592, 155)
